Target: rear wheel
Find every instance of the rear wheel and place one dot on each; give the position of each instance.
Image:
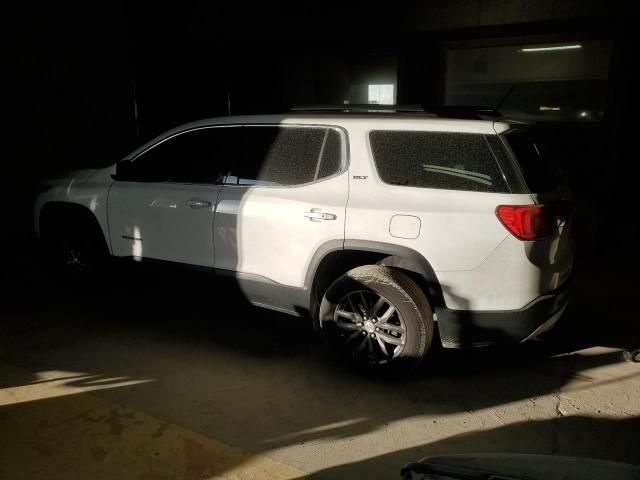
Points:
(377, 317)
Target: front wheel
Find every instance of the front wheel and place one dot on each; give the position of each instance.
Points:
(377, 317)
(74, 250)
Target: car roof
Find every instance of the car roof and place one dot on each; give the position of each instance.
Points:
(363, 120)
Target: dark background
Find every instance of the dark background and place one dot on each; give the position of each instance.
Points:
(89, 82)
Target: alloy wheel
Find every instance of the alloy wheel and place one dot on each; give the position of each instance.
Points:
(370, 327)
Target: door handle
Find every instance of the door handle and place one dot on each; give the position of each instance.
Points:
(198, 203)
(316, 216)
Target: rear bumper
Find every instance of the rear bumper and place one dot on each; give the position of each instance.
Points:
(466, 328)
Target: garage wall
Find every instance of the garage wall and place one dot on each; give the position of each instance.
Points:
(70, 99)
(448, 14)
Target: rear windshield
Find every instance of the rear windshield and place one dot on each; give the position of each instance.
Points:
(540, 171)
(455, 161)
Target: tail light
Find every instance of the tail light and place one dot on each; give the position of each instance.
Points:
(531, 222)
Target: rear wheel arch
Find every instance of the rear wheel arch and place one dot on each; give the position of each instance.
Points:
(377, 317)
(331, 261)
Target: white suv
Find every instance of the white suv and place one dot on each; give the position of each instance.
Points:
(378, 226)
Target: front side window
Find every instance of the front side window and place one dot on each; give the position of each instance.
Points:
(282, 156)
(197, 156)
(454, 161)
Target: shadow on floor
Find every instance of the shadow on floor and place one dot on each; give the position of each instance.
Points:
(198, 358)
(578, 434)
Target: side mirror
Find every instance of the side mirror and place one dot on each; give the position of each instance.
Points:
(123, 170)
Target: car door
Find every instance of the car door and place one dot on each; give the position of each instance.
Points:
(162, 205)
(285, 199)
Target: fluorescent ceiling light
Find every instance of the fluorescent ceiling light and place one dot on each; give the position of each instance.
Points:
(551, 49)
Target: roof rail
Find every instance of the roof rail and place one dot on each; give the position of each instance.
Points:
(445, 111)
(359, 108)
(465, 111)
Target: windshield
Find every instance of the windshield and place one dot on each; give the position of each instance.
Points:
(540, 171)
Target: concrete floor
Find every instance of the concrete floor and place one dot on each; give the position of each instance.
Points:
(140, 382)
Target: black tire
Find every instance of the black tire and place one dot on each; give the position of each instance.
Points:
(410, 327)
(74, 249)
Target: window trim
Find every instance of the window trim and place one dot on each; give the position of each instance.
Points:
(344, 152)
(519, 183)
(485, 142)
(510, 171)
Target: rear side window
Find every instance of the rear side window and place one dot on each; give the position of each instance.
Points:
(454, 161)
(275, 155)
(540, 171)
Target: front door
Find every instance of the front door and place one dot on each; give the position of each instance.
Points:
(162, 207)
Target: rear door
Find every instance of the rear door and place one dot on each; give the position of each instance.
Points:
(163, 207)
(282, 202)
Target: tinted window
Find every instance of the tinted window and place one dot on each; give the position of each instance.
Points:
(198, 156)
(288, 155)
(540, 171)
(456, 161)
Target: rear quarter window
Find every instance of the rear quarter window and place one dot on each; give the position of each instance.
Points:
(539, 169)
(444, 160)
